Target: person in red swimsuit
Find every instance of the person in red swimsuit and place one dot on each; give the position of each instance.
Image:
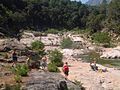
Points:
(66, 70)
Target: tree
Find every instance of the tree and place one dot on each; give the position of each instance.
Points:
(113, 21)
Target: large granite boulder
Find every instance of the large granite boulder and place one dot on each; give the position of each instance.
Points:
(49, 81)
(112, 53)
(10, 44)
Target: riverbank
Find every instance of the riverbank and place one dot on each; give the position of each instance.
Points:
(92, 80)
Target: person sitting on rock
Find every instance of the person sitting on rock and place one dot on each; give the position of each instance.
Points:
(66, 70)
(93, 66)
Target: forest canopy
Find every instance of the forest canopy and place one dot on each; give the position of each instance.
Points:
(39, 15)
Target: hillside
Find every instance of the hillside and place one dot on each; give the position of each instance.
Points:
(62, 15)
(97, 2)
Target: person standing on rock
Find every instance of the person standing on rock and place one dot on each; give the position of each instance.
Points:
(14, 57)
(66, 70)
(44, 63)
(28, 61)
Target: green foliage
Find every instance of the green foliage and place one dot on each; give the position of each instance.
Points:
(113, 20)
(101, 37)
(52, 31)
(56, 57)
(37, 45)
(66, 43)
(53, 68)
(18, 78)
(42, 15)
(21, 70)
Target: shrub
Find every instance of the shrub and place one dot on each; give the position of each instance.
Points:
(101, 37)
(17, 78)
(21, 70)
(53, 68)
(52, 31)
(56, 57)
(66, 43)
(37, 45)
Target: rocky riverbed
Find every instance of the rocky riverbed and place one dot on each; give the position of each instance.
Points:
(92, 80)
(79, 70)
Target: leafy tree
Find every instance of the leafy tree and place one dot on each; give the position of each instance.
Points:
(113, 21)
(41, 15)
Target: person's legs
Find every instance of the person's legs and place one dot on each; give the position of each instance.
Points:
(66, 74)
(14, 61)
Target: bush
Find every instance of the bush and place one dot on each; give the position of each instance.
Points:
(52, 31)
(37, 45)
(56, 57)
(101, 37)
(21, 70)
(53, 68)
(18, 78)
(66, 43)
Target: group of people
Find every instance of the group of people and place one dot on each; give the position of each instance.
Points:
(43, 65)
(15, 59)
(94, 67)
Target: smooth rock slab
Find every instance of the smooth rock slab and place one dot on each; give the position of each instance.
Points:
(49, 81)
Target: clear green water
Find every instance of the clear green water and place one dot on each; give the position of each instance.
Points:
(105, 62)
